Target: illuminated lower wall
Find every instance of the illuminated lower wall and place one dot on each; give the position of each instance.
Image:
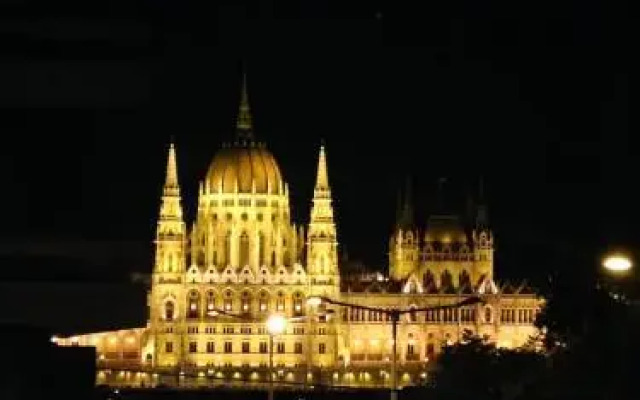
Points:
(359, 377)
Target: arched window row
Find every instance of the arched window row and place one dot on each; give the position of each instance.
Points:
(210, 303)
(240, 249)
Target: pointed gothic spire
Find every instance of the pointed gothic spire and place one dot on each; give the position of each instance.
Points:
(171, 181)
(322, 181)
(244, 123)
(406, 215)
(170, 208)
(321, 236)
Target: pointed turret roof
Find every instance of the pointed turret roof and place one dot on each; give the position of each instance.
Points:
(171, 186)
(170, 221)
(322, 180)
(405, 218)
(244, 123)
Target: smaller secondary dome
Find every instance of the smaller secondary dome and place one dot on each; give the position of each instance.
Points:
(445, 229)
(241, 165)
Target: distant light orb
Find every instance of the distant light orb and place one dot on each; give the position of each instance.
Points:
(617, 263)
(276, 324)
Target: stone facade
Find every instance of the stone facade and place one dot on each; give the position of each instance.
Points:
(214, 285)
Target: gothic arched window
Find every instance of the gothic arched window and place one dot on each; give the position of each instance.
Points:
(263, 305)
(169, 311)
(464, 280)
(428, 280)
(280, 302)
(245, 305)
(488, 315)
(261, 249)
(200, 260)
(170, 262)
(211, 304)
(244, 249)
(446, 280)
(227, 248)
(193, 304)
(228, 300)
(286, 261)
(297, 304)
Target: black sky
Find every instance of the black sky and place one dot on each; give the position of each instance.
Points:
(531, 95)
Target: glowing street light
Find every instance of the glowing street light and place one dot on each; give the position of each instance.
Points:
(276, 325)
(617, 263)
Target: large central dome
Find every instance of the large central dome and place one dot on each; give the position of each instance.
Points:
(244, 167)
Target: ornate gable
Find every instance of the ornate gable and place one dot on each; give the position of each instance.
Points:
(487, 286)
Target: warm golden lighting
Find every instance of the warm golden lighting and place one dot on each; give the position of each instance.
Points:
(276, 324)
(231, 289)
(617, 263)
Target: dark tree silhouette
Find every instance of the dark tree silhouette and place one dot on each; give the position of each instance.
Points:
(476, 369)
(592, 331)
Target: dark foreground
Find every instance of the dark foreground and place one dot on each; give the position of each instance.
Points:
(239, 394)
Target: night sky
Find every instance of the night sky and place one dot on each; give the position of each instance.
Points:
(532, 96)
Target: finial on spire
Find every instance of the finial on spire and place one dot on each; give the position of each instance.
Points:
(244, 124)
(322, 181)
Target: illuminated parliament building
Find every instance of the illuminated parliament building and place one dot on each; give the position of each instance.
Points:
(215, 282)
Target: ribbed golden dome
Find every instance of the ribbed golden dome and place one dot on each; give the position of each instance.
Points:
(445, 229)
(240, 165)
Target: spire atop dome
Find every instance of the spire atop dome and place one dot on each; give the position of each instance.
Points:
(244, 123)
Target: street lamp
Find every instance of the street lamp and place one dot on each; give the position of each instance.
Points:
(276, 324)
(617, 263)
(394, 315)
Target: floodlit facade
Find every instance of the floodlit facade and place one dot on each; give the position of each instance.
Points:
(215, 283)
